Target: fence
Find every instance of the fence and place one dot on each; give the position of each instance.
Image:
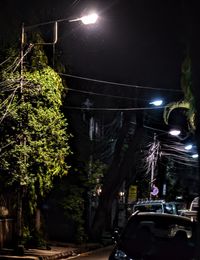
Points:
(6, 232)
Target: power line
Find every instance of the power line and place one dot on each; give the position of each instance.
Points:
(113, 109)
(105, 95)
(117, 84)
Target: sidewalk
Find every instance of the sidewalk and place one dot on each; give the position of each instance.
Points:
(56, 251)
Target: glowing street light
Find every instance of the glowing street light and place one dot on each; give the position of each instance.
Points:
(195, 156)
(188, 147)
(87, 19)
(175, 132)
(157, 102)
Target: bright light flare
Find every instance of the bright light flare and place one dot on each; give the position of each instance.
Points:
(89, 19)
(188, 147)
(195, 155)
(175, 132)
(157, 102)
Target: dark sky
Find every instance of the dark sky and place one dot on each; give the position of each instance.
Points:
(138, 42)
(135, 42)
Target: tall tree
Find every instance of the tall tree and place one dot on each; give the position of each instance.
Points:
(34, 136)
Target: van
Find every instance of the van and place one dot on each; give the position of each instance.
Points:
(157, 206)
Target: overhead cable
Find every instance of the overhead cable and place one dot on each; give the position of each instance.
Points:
(113, 109)
(105, 95)
(118, 84)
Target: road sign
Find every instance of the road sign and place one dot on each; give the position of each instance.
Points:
(154, 191)
(132, 193)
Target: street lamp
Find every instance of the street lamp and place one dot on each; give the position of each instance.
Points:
(194, 156)
(156, 102)
(175, 132)
(89, 19)
(188, 147)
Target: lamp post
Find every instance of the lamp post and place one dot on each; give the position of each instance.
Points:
(154, 158)
(89, 19)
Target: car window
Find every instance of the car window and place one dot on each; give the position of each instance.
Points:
(149, 208)
(168, 208)
(195, 207)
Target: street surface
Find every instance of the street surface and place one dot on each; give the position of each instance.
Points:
(100, 254)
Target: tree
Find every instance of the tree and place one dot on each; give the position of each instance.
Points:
(121, 165)
(34, 137)
(188, 104)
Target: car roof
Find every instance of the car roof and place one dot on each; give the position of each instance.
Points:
(160, 215)
(149, 202)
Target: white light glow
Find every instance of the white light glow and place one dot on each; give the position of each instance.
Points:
(89, 19)
(156, 102)
(188, 147)
(175, 132)
(195, 155)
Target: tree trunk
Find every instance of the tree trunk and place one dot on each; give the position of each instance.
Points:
(115, 176)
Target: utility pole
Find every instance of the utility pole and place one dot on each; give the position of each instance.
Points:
(19, 248)
(23, 141)
(89, 19)
(154, 157)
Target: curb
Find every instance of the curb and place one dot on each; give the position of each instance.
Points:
(63, 254)
(60, 255)
(18, 257)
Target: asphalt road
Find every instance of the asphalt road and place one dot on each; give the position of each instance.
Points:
(100, 254)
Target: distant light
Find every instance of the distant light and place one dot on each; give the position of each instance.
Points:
(188, 147)
(195, 155)
(157, 102)
(89, 19)
(175, 132)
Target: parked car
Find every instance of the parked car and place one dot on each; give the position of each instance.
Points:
(150, 235)
(193, 210)
(157, 206)
(195, 204)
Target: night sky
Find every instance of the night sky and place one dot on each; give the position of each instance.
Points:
(139, 42)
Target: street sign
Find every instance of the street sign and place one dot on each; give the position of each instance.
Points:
(132, 193)
(154, 191)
